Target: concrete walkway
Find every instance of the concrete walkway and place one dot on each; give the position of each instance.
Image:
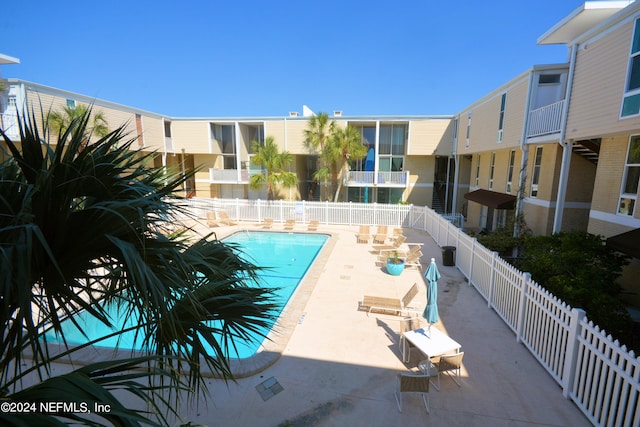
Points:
(339, 366)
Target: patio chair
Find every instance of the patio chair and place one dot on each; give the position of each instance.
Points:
(212, 221)
(396, 244)
(413, 259)
(409, 324)
(289, 224)
(225, 219)
(364, 234)
(413, 383)
(381, 234)
(397, 232)
(313, 225)
(267, 223)
(449, 364)
(385, 304)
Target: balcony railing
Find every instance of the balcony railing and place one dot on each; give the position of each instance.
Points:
(545, 120)
(9, 125)
(228, 176)
(380, 179)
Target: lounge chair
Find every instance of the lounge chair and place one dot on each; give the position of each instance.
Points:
(446, 364)
(413, 259)
(313, 225)
(289, 224)
(381, 234)
(413, 383)
(267, 223)
(396, 244)
(212, 221)
(364, 234)
(397, 306)
(225, 219)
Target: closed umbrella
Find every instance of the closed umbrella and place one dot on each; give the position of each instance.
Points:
(431, 311)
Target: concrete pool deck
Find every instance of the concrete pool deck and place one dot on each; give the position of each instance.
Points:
(339, 366)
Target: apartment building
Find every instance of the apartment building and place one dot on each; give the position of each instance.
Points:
(604, 115)
(407, 154)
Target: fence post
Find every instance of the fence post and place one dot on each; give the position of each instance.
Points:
(571, 356)
(492, 280)
(522, 305)
(472, 256)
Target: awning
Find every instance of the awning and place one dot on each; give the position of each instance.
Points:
(493, 199)
(627, 243)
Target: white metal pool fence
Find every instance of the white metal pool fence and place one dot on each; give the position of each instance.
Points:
(595, 371)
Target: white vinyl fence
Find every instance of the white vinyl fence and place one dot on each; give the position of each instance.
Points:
(599, 374)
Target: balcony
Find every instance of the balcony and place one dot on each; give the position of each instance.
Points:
(9, 125)
(228, 176)
(378, 179)
(545, 120)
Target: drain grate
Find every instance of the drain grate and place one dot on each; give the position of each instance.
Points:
(269, 388)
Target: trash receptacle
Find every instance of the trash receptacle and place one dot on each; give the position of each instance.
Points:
(448, 255)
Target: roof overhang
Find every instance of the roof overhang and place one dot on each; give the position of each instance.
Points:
(627, 243)
(582, 19)
(6, 59)
(492, 199)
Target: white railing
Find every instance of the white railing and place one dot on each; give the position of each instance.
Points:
(228, 175)
(545, 120)
(368, 178)
(595, 371)
(9, 125)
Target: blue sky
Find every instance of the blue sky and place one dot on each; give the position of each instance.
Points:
(267, 58)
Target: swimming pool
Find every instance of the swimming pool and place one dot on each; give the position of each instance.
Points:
(288, 257)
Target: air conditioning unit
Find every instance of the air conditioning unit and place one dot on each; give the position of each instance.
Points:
(294, 114)
(337, 113)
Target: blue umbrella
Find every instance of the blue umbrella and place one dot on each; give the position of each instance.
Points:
(431, 311)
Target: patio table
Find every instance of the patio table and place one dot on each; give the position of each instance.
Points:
(431, 342)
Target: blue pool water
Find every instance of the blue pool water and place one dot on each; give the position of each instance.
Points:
(288, 256)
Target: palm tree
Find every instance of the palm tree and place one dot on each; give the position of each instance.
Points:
(316, 137)
(275, 164)
(83, 227)
(345, 144)
(58, 121)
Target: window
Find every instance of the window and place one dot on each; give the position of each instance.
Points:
(468, 128)
(503, 103)
(512, 159)
(629, 191)
(71, 103)
(631, 99)
(491, 169)
(478, 171)
(12, 103)
(536, 172)
(167, 129)
(391, 145)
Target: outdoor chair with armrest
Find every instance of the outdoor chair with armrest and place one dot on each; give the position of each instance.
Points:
(313, 225)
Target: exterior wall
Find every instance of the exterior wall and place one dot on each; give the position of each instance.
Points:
(190, 136)
(152, 133)
(598, 86)
(427, 136)
(422, 170)
(483, 134)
